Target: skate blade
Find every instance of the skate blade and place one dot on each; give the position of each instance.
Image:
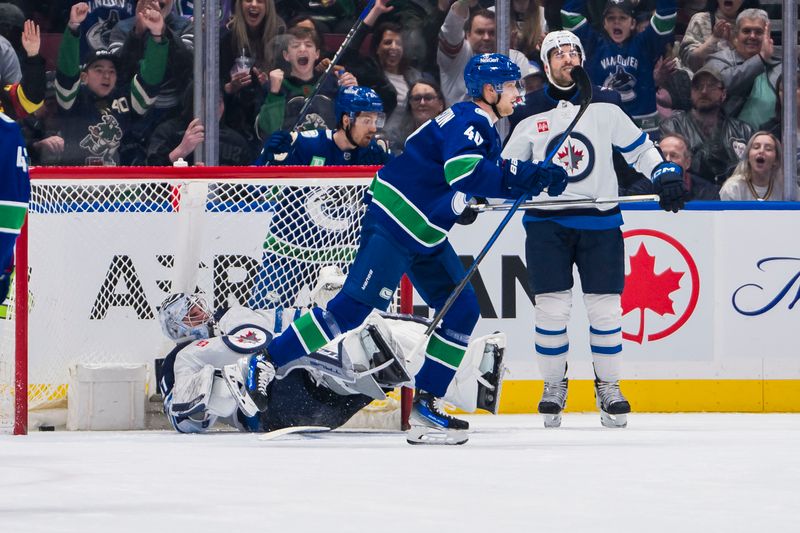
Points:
(428, 435)
(278, 433)
(552, 421)
(613, 421)
(235, 381)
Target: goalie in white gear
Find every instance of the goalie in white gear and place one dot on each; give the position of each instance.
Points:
(201, 379)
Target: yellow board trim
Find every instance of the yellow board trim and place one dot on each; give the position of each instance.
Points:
(669, 396)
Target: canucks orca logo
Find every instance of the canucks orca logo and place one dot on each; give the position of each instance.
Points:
(576, 156)
(623, 82)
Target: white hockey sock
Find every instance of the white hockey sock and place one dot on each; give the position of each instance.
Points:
(552, 343)
(605, 334)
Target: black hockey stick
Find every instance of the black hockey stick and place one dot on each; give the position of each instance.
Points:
(334, 61)
(584, 85)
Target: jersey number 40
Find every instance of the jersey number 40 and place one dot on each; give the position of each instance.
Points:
(22, 158)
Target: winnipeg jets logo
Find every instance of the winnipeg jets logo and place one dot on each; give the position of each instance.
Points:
(575, 155)
(247, 339)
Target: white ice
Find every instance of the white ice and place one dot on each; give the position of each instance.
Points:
(676, 473)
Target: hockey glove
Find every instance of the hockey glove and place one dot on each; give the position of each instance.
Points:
(470, 214)
(668, 185)
(373, 154)
(559, 179)
(279, 142)
(524, 177)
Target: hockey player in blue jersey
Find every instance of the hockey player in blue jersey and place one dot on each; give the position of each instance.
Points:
(15, 193)
(413, 203)
(558, 238)
(621, 60)
(286, 265)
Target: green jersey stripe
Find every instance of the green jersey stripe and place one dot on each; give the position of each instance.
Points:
(444, 352)
(406, 214)
(460, 167)
(310, 334)
(338, 254)
(12, 217)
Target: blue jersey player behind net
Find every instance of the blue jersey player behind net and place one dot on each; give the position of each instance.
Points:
(313, 227)
(15, 192)
(413, 202)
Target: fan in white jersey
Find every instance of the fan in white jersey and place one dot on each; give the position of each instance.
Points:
(558, 238)
(202, 381)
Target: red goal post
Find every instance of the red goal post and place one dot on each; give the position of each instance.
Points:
(103, 246)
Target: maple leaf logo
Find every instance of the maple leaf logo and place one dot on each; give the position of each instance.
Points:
(249, 337)
(570, 156)
(644, 289)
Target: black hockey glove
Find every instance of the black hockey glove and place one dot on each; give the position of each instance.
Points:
(279, 142)
(668, 185)
(559, 179)
(470, 214)
(373, 154)
(523, 177)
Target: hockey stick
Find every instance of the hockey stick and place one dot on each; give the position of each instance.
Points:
(584, 85)
(336, 57)
(583, 202)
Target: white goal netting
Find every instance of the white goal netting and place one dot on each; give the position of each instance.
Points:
(105, 252)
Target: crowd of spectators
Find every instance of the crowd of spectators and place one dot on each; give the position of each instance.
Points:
(109, 82)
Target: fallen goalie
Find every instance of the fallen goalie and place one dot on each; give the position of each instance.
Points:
(202, 382)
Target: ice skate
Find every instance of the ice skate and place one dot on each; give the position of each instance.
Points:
(431, 425)
(554, 398)
(614, 408)
(260, 373)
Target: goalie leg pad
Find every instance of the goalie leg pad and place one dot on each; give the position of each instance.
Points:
(192, 391)
(386, 363)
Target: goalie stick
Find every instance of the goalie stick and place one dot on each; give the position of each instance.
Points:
(584, 85)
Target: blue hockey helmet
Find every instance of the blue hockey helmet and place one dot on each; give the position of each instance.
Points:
(185, 317)
(358, 99)
(495, 69)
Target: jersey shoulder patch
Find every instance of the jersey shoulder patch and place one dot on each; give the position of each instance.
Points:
(310, 134)
(247, 339)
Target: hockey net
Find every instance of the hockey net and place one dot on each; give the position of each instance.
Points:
(103, 247)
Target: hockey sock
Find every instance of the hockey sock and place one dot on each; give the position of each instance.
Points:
(605, 334)
(307, 334)
(443, 355)
(552, 343)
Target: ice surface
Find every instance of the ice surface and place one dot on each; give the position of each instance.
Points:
(676, 473)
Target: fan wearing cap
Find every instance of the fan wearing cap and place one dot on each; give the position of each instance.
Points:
(620, 59)
(97, 111)
(715, 139)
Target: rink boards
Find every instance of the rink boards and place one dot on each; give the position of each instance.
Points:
(710, 313)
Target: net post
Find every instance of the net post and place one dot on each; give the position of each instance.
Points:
(21, 333)
(406, 393)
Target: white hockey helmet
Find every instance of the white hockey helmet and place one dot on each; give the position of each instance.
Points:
(554, 41)
(185, 317)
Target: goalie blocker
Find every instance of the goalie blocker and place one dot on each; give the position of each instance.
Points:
(202, 381)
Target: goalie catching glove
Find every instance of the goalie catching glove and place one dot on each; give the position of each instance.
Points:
(668, 184)
(531, 178)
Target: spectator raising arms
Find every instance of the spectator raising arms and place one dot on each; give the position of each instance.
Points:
(288, 90)
(759, 175)
(709, 31)
(457, 46)
(622, 60)
(21, 98)
(97, 110)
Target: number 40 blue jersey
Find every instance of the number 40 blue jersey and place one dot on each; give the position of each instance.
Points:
(419, 195)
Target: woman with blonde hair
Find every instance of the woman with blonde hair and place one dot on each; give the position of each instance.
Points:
(528, 27)
(759, 175)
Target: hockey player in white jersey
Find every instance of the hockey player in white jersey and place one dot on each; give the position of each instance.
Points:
(202, 378)
(558, 238)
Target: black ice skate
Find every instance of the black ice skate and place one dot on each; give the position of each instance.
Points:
(260, 373)
(614, 408)
(431, 425)
(554, 398)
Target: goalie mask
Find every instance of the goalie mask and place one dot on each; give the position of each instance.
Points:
(185, 317)
(554, 41)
